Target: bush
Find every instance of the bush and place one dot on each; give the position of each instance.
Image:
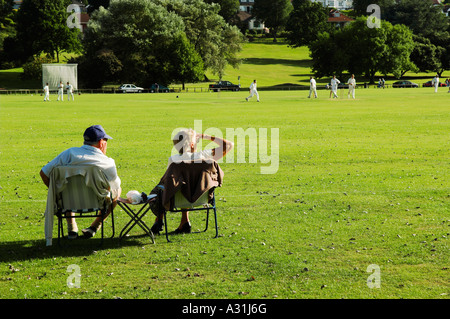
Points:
(33, 70)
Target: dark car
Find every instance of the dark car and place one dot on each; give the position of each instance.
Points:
(224, 85)
(156, 88)
(430, 84)
(404, 84)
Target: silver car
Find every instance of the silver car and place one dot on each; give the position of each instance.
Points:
(130, 88)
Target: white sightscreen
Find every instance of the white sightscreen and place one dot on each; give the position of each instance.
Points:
(54, 73)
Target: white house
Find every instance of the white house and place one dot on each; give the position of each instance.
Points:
(337, 4)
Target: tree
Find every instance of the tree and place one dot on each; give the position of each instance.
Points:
(305, 22)
(421, 16)
(360, 6)
(228, 8)
(328, 55)
(145, 44)
(216, 41)
(426, 56)
(426, 21)
(41, 28)
(96, 4)
(363, 50)
(274, 13)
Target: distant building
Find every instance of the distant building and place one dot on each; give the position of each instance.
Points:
(337, 4)
(246, 18)
(17, 4)
(338, 19)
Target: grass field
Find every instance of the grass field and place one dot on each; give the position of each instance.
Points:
(360, 182)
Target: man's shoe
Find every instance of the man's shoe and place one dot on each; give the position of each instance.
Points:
(72, 235)
(157, 227)
(89, 232)
(185, 229)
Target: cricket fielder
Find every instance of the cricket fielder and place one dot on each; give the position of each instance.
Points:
(69, 88)
(60, 91)
(46, 92)
(435, 83)
(351, 86)
(312, 87)
(253, 91)
(334, 86)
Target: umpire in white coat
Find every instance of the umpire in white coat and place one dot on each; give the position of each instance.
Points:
(351, 86)
(312, 87)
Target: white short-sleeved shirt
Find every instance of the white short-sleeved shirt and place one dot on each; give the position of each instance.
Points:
(46, 89)
(334, 83)
(312, 83)
(87, 155)
(204, 155)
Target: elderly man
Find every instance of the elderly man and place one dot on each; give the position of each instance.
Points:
(93, 152)
(185, 142)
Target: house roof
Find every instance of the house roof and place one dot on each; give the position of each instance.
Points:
(244, 16)
(335, 16)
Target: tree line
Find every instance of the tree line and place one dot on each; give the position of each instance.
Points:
(167, 41)
(413, 35)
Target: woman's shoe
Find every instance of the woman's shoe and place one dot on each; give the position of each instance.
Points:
(157, 227)
(185, 229)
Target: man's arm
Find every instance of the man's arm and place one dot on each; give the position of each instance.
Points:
(224, 145)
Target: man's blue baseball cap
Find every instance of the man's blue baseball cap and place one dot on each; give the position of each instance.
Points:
(95, 133)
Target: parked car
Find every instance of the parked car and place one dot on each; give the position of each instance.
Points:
(130, 88)
(155, 88)
(429, 84)
(404, 84)
(224, 85)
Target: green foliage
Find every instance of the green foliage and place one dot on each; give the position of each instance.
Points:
(274, 14)
(217, 42)
(33, 70)
(42, 28)
(306, 21)
(228, 8)
(363, 50)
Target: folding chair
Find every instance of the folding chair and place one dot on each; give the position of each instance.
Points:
(83, 200)
(190, 186)
(181, 204)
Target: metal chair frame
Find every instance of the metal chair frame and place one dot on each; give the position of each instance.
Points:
(83, 213)
(211, 205)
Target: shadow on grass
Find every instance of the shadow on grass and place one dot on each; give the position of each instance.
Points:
(14, 251)
(287, 62)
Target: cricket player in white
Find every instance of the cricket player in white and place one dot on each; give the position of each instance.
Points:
(60, 91)
(46, 92)
(253, 91)
(334, 85)
(435, 83)
(312, 87)
(69, 88)
(351, 86)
